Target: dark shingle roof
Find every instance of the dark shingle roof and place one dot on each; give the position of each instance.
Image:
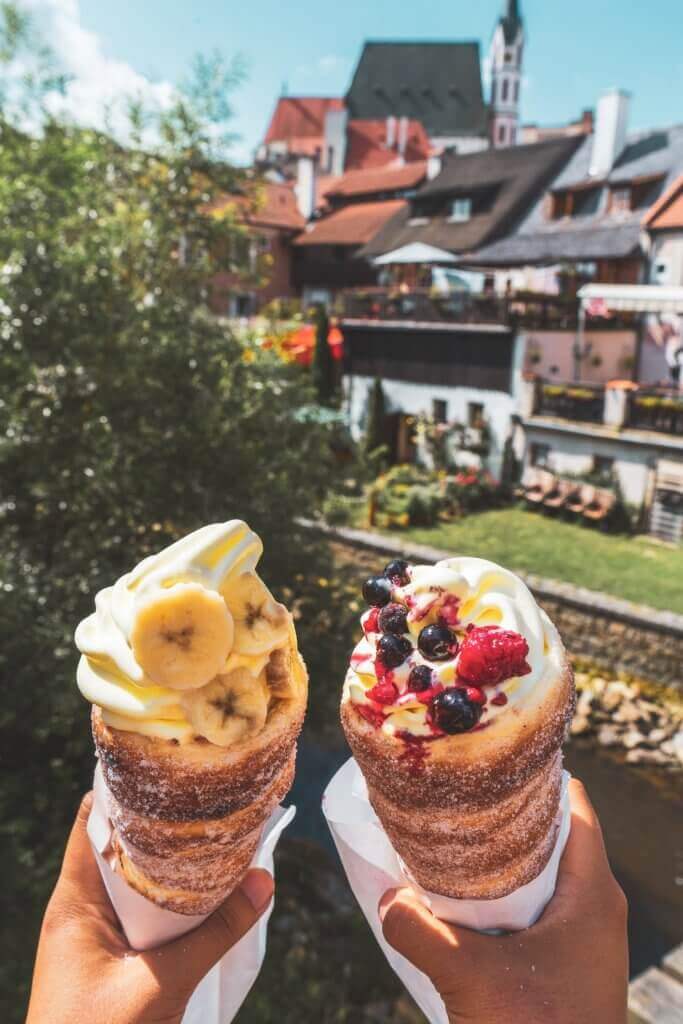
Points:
(510, 179)
(597, 233)
(438, 84)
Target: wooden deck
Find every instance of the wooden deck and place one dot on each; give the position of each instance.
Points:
(656, 996)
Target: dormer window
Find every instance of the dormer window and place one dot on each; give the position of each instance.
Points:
(461, 210)
(620, 200)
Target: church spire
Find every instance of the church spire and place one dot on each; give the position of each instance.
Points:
(507, 48)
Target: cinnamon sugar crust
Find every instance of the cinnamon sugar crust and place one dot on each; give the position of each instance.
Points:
(187, 818)
(474, 815)
(172, 781)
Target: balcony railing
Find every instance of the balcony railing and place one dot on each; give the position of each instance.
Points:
(527, 309)
(580, 402)
(656, 409)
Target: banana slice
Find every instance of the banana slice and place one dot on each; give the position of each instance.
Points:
(182, 637)
(261, 623)
(229, 708)
(279, 675)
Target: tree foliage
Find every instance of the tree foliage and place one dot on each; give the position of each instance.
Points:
(323, 363)
(128, 416)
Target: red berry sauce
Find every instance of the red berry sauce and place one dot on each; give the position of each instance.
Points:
(500, 700)
(384, 692)
(372, 715)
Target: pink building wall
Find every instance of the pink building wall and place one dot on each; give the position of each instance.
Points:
(610, 355)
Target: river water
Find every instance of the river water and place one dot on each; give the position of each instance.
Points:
(642, 819)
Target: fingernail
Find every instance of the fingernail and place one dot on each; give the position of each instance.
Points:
(257, 886)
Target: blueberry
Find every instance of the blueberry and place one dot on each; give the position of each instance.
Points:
(397, 572)
(437, 643)
(377, 591)
(421, 678)
(393, 650)
(394, 619)
(453, 711)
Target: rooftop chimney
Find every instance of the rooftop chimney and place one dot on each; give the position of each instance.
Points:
(334, 158)
(305, 186)
(610, 131)
(402, 135)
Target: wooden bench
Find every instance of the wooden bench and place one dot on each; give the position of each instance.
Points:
(656, 996)
(601, 506)
(537, 483)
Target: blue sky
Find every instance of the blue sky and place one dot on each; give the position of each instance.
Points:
(574, 50)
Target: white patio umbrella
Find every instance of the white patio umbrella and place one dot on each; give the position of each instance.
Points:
(415, 252)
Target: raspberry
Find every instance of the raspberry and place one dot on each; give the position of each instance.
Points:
(371, 621)
(383, 693)
(489, 655)
(475, 695)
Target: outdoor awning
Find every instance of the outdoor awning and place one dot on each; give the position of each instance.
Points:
(415, 252)
(634, 298)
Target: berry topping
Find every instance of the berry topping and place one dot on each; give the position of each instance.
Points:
(371, 621)
(398, 572)
(476, 695)
(393, 618)
(489, 655)
(448, 610)
(377, 591)
(420, 678)
(500, 700)
(393, 650)
(454, 712)
(437, 643)
(383, 693)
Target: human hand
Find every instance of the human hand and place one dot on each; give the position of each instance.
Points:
(569, 967)
(85, 971)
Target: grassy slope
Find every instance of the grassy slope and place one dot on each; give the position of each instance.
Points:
(633, 568)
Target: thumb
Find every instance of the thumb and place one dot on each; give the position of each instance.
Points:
(439, 950)
(189, 958)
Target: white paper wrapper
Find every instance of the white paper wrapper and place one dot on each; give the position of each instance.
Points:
(372, 866)
(220, 994)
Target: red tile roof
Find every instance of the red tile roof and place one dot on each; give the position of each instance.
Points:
(366, 144)
(383, 179)
(277, 209)
(667, 212)
(351, 225)
(300, 117)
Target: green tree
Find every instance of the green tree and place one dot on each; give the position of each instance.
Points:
(323, 363)
(128, 416)
(375, 428)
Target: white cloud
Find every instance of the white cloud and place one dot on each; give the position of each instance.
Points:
(99, 85)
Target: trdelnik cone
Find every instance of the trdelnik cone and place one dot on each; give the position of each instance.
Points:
(455, 705)
(198, 694)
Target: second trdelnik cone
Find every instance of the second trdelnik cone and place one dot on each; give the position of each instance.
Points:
(455, 705)
(199, 694)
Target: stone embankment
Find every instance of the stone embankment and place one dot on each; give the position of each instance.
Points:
(621, 715)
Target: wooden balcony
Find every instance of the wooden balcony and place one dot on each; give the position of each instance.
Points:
(524, 309)
(656, 409)
(584, 403)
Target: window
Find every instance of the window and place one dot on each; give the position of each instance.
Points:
(620, 200)
(501, 134)
(439, 410)
(539, 455)
(505, 91)
(559, 205)
(475, 414)
(585, 202)
(516, 93)
(461, 209)
(509, 56)
(602, 467)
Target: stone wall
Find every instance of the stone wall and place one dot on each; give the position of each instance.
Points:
(612, 633)
(613, 644)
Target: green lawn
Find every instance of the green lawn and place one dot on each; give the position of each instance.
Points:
(634, 568)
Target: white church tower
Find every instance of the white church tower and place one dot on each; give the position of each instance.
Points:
(506, 72)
